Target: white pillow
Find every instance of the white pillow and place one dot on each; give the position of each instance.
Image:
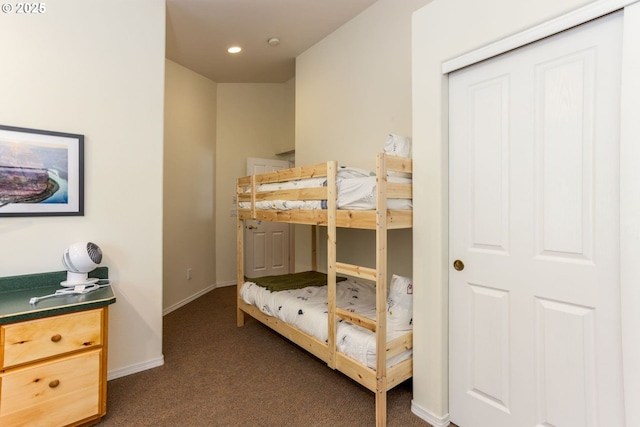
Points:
(400, 304)
(396, 145)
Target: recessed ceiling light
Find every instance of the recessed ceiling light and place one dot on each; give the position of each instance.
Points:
(234, 49)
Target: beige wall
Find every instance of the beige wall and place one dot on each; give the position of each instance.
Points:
(443, 30)
(352, 89)
(289, 119)
(96, 68)
(189, 159)
(357, 247)
(254, 120)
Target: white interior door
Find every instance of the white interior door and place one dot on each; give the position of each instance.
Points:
(267, 244)
(534, 216)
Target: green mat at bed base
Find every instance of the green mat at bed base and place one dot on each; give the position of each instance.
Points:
(285, 282)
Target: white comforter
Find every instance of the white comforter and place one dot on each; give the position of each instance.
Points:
(306, 309)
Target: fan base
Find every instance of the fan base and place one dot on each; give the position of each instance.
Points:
(72, 283)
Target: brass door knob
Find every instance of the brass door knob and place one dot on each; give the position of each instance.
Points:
(458, 265)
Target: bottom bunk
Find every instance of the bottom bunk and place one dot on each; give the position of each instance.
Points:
(300, 312)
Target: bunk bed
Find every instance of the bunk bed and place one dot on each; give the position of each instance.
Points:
(312, 195)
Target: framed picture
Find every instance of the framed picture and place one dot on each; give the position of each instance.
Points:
(41, 172)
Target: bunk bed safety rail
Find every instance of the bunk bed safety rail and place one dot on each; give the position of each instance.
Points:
(248, 192)
(400, 344)
(356, 271)
(301, 172)
(356, 319)
(398, 166)
(247, 184)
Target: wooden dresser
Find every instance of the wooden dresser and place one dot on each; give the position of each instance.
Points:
(53, 354)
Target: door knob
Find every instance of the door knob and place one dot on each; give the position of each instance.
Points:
(458, 265)
(252, 227)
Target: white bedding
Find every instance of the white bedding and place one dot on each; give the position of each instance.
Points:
(306, 309)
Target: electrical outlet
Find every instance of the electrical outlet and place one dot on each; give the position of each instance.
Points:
(188, 274)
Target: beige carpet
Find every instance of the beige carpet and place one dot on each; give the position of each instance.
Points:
(216, 374)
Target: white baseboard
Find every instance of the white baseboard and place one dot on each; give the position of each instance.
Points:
(133, 369)
(225, 284)
(196, 296)
(187, 300)
(434, 420)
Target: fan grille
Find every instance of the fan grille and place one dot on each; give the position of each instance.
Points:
(94, 252)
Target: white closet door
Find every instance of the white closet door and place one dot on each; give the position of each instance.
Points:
(534, 217)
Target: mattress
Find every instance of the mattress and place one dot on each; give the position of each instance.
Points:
(306, 309)
(356, 191)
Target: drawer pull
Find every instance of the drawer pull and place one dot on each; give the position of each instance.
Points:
(54, 383)
(56, 338)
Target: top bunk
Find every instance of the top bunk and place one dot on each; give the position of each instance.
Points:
(325, 193)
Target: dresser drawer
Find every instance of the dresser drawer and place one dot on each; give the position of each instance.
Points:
(51, 336)
(52, 393)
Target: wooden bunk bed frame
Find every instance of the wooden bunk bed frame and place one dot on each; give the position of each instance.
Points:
(381, 220)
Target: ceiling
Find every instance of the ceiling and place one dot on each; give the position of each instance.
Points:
(199, 32)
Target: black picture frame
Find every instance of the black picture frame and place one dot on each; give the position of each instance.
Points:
(41, 172)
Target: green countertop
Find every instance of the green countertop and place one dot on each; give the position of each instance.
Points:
(16, 291)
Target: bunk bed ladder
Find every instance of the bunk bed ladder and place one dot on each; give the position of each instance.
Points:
(381, 290)
(332, 198)
(377, 275)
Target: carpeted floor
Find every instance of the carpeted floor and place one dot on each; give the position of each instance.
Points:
(216, 374)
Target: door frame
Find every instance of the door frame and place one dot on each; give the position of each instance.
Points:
(292, 230)
(629, 161)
